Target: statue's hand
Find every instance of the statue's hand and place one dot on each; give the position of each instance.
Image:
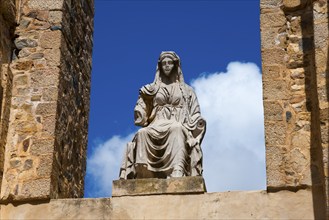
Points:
(140, 118)
(192, 142)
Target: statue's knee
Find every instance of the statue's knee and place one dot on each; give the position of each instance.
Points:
(176, 128)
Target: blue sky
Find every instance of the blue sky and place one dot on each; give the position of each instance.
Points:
(209, 36)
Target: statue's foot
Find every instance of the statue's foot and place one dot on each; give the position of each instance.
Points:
(177, 173)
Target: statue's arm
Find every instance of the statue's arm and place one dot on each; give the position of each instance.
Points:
(144, 104)
(141, 112)
(195, 122)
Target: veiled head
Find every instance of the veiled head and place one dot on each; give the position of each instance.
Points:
(168, 64)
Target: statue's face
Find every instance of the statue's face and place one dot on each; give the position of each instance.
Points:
(167, 65)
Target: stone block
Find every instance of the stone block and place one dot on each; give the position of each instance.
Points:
(20, 80)
(324, 114)
(42, 146)
(323, 93)
(22, 65)
(270, 3)
(293, 4)
(21, 43)
(42, 15)
(273, 111)
(301, 139)
(55, 17)
(296, 166)
(297, 99)
(324, 134)
(275, 90)
(274, 176)
(46, 4)
(274, 57)
(271, 38)
(44, 78)
(153, 186)
(46, 109)
(44, 168)
(50, 94)
(51, 39)
(38, 188)
(321, 36)
(28, 164)
(273, 18)
(270, 72)
(287, 167)
(36, 56)
(275, 133)
(298, 73)
(49, 124)
(53, 57)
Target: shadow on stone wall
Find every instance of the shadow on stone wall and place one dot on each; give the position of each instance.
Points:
(312, 105)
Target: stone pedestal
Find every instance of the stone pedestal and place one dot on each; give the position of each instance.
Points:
(152, 186)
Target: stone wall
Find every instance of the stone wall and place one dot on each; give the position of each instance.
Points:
(73, 106)
(7, 28)
(47, 136)
(295, 86)
(227, 205)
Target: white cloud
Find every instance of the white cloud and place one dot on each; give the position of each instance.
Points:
(104, 164)
(234, 147)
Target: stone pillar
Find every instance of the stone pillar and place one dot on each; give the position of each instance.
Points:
(321, 33)
(45, 153)
(7, 27)
(295, 120)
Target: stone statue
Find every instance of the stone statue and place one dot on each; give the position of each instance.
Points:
(168, 144)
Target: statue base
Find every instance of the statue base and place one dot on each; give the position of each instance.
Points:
(153, 186)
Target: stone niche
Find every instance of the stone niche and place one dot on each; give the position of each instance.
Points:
(45, 141)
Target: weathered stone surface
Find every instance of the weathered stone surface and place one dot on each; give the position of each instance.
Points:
(275, 90)
(42, 146)
(271, 72)
(270, 3)
(21, 43)
(47, 111)
(38, 189)
(46, 4)
(55, 16)
(51, 39)
(274, 57)
(53, 57)
(274, 111)
(294, 4)
(226, 205)
(153, 186)
(293, 145)
(272, 38)
(273, 18)
(44, 78)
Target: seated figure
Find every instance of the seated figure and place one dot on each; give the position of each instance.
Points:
(168, 144)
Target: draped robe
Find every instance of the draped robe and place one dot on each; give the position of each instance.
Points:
(171, 135)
